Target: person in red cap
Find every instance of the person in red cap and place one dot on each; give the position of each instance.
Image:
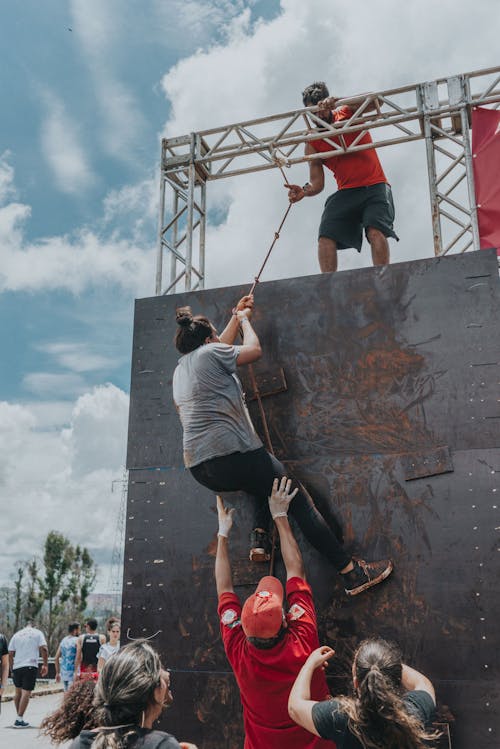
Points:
(267, 643)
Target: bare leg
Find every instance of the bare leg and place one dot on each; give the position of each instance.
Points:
(379, 245)
(327, 255)
(17, 698)
(25, 698)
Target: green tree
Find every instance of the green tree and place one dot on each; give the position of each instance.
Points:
(52, 590)
(82, 578)
(54, 584)
(18, 593)
(34, 597)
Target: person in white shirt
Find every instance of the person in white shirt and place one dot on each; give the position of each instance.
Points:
(25, 648)
(113, 646)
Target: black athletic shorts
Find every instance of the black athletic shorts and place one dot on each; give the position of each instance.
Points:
(347, 212)
(25, 677)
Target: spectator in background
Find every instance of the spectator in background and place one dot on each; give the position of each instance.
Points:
(66, 656)
(112, 620)
(113, 646)
(87, 648)
(4, 665)
(73, 716)
(25, 648)
(132, 692)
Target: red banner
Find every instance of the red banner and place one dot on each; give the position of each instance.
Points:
(486, 160)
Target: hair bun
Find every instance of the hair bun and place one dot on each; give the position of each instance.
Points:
(183, 316)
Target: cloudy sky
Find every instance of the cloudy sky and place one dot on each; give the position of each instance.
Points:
(88, 87)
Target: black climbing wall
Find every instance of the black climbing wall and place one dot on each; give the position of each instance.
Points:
(391, 418)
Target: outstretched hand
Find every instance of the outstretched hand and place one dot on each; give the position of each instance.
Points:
(244, 308)
(295, 192)
(319, 658)
(225, 518)
(281, 497)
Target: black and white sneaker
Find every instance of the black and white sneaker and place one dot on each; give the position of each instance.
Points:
(365, 575)
(19, 723)
(260, 546)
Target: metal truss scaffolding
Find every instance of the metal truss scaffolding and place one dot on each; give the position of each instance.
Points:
(438, 112)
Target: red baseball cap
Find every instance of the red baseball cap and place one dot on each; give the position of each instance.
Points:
(262, 613)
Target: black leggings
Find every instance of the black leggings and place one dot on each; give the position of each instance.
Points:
(254, 473)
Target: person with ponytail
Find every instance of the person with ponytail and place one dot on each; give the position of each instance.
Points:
(392, 707)
(222, 449)
(132, 692)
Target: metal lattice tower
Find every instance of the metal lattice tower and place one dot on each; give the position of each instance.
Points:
(115, 580)
(438, 112)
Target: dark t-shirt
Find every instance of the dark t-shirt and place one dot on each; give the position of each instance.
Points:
(146, 739)
(90, 647)
(331, 723)
(4, 650)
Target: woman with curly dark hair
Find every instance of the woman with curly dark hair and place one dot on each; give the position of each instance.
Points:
(73, 716)
(132, 692)
(392, 706)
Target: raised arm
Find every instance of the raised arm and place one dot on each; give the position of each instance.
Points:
(332, 102)
(223, 577)
(316, 179)
(300, 704)
(279, 502)
(230, 332)
(250, 349)
(412, 679)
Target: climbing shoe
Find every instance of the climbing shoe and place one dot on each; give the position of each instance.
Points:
(365, 575)
(260, 546)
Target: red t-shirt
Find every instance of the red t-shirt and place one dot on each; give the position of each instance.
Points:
(357, 169)
(265, 677)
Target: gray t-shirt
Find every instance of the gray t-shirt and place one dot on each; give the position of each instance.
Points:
(211, 405)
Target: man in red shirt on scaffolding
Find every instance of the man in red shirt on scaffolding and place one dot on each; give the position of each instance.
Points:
(267, 643)
(363, 199)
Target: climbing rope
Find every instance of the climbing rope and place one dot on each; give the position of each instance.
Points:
(280, 162)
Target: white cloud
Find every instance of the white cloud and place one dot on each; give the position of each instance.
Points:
(48, 384)
(72, 262)
(185, 25)
(98, 417)
(62, 148)
(61, 478)
(97, 25)
(134, 208)
(78, 357)
(7, 189)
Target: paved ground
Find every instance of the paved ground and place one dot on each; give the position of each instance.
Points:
(26, 738)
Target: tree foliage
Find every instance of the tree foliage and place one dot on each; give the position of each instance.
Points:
(52, 590)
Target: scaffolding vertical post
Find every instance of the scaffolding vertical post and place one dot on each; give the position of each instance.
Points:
(159, 247)
(175, 237)
(464, 116)
(427, 101)
(190, 213)
(203, 229)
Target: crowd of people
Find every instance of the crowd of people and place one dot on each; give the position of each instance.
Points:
(114, 695)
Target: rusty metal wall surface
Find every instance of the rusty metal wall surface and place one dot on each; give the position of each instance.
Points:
(391, 419)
